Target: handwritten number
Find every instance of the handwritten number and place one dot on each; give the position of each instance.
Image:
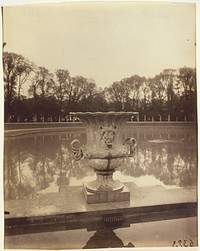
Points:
(191, 243)
(180, 242)
(174, 242)
(183, 243)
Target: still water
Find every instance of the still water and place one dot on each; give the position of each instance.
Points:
(43, 163)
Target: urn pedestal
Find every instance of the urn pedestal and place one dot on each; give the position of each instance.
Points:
(104, 149)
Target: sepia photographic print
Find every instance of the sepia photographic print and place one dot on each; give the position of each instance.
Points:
(100, 125)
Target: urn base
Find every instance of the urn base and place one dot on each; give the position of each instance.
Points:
(104, 182)
(106, 196)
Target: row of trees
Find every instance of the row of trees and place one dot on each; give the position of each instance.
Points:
(51, 96)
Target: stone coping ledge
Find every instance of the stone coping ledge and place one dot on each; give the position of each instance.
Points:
(33, 131)
(68, 210)
(20, 129)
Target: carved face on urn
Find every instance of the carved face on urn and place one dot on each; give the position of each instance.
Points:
(108, 134)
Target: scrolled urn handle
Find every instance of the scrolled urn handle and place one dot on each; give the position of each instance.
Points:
(131, 143)
(77, 149)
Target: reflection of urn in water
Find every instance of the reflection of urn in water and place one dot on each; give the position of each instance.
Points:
(104, 150)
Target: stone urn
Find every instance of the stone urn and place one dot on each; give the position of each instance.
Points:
(104, 149)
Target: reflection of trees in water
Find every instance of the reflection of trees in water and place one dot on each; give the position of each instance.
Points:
(41, 161)
(185, 169)
(173, 163)
(33, 164)
(66, 167)
(31, 167)
(15, 182)
(61, 164)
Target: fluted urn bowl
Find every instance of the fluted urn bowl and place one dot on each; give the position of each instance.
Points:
(105, 147)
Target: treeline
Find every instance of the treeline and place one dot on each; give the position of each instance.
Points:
(52, 96)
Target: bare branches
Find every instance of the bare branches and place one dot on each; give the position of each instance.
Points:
(173, 91)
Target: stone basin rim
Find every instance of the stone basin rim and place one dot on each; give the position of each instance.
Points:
(104, 113)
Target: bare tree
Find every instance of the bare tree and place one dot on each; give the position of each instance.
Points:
(62, 87)
(42, 88)
(187, 78)
(16, 70)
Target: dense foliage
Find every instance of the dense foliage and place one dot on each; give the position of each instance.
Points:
(51, 96)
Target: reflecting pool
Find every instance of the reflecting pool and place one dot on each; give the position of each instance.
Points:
(43, 163)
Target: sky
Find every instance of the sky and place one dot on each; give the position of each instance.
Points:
(103, 41)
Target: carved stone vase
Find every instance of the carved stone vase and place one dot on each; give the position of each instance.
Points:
(104, 149)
